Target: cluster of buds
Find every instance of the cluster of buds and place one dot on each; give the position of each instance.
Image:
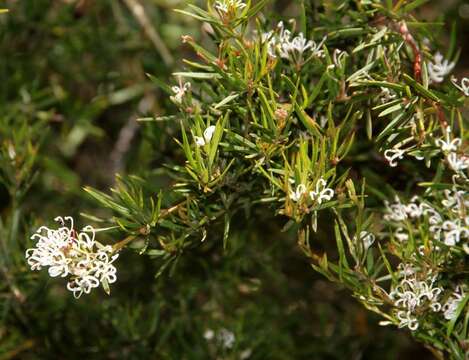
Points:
(291, 47)
(411, 296)
(78, 255)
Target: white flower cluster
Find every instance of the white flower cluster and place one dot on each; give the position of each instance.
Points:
(226, 340)
(226, 6)
(450, 147)
(464, 87)
(449, 227)
(451, 305)
(207, 136)
(180, 92)
(439, 68)
(282, 42)
(320, 194)
(76, 254)
(411, 295)
(224, 337)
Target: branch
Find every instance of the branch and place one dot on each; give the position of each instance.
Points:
(139, 12)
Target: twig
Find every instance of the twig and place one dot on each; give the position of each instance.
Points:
(139, 12)
(127, 134)
(409, 39)
(12, 354)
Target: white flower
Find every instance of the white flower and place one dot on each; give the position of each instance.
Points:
(387, 95)
(464, 87)
(413, 210)
(245, 354)
(448, 145)
(407, 320)
(451, 305)
(180, 92)
(226, 338)
(323, 121)
(103, 268)
(68, 253)
(392, 155)
(400, 235)
(298, 193)
(293, 49)
(226, 6)
(455, 200)
(209, 334)
(322, 193)
(337, 56)
(439, 68)
(453, 232)
(208, 134)
(367, 239)
(406, 269)
(395, 212)
(269, 38)
(456, 162)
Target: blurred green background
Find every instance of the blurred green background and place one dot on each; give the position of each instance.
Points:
(73, 78)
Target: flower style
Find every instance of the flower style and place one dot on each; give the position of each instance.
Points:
(439, 68)
(392, 155)
(322, 193)
(298, 193)
(451, 305)
(205, 139)
(464, 87)
(78, 255)
(226, 6)
(180, 92)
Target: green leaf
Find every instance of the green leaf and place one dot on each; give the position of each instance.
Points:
(413, 5)
(226, 100)
(198, 75)
(459, 309)
(419, 88)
